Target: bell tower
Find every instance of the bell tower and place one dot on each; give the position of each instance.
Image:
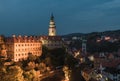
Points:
(52, 27)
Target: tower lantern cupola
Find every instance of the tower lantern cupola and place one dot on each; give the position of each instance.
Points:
(52, 27)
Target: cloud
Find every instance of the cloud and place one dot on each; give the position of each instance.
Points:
(109, 5)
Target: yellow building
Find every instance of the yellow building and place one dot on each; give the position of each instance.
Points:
(18, 47)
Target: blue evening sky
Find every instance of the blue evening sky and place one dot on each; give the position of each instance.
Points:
(31, 17)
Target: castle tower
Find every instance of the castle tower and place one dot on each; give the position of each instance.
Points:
(52, 27)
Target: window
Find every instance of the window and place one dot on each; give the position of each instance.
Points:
(16, 59)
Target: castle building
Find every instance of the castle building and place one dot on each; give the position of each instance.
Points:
(52, 40)
(19, 47)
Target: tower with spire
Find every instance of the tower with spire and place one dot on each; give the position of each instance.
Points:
(52, 41)
(52, 27)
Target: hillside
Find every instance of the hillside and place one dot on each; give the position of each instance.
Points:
(115, 33)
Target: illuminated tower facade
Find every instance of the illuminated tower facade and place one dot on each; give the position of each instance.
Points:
(52, 41)
(52, 27)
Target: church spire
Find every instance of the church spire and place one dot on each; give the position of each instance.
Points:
(52, 27)
(52, 17)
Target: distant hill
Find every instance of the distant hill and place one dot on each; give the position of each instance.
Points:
(114, 33)
(74, 34)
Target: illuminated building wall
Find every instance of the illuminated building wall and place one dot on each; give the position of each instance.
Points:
(19, 47)
(52, 27)
(52, 42)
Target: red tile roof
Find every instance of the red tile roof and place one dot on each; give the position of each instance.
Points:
(21, 39)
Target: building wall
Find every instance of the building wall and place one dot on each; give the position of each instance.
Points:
(19, 48)
(51, 42)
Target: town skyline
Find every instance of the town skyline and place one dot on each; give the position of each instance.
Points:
(32, 17)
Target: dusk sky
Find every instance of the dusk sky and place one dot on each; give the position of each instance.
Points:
(31, 17)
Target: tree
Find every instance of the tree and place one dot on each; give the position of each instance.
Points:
(14, 73)
(30, 66)
(32, 57)
(2, 72)
(70, 61)
(30, 75)
(48, 61)
(2, 61)
(42, 67)
(57, 56)
(44, 52)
